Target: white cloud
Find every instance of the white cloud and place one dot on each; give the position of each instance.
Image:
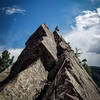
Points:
(93, 58)
(86, 35)
(87, 19)
(15, 53)
(13, 10)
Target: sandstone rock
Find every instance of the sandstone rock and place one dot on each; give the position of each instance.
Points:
(47, 69)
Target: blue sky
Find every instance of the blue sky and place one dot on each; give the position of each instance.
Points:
(20, 18)
(17, 27)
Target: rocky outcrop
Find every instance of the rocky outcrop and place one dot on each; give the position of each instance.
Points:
(4, 74)
(47, 69)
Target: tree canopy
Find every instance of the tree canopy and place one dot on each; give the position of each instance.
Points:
(5, 60)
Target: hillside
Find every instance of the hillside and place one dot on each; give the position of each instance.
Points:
(96, 74)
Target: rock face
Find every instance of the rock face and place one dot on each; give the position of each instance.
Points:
(47, 69)
(4, 74)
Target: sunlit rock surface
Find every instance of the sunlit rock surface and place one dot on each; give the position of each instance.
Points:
(47, 69)
(4, 74)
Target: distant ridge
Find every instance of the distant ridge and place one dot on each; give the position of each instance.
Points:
(96, 74)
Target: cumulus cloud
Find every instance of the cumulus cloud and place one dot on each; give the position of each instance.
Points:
(13, 10)
(86, 35)
(88, 19)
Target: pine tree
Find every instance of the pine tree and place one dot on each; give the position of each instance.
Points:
(5, 60)
(87, 68)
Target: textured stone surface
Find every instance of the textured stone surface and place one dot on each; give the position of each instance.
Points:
(68, 80)
(4, 74)
(28, 83)
(47, 69)
(25, 76)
